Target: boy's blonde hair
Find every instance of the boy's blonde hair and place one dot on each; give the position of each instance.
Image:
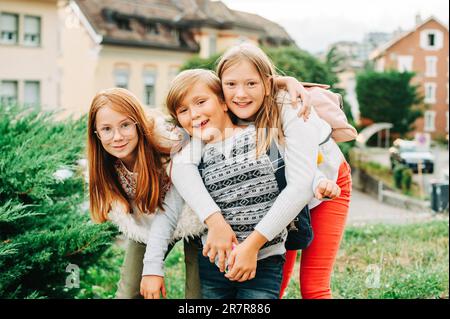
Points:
(184, 81)
(268, 117)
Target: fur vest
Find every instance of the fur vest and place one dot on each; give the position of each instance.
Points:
(136, 226)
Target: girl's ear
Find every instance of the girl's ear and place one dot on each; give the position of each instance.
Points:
(268, 84)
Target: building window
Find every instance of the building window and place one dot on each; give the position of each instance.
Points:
(430, 93)
(32, 31)
(32, 96)
(431, 40)
(149, 88)
(242, 39)
(429, 121)
(152, 28)
(123, 23)
(8, 92)
(121, 78)
(405, 63)
(173, 71)
(212, 44)
(9, 28)
(431, 66)
(175, 33)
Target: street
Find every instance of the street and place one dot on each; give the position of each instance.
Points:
(365, 209)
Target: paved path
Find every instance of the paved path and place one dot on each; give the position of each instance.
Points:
(365, 209)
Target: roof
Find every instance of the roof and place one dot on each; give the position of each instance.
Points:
(123, 22)
(383, 48)
(271, 30)
(169, 24)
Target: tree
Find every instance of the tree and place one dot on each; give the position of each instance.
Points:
(45, 233)
(336, 60)
(389, 97)
(199, 63)
(301, 65)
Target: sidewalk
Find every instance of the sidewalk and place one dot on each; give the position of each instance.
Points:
(367, 210)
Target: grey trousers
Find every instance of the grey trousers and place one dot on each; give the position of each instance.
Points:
(131, 271)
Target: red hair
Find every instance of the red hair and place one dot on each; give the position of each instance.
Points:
(104, 186)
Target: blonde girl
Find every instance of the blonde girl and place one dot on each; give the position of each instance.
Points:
(196, 101)
(247, 76)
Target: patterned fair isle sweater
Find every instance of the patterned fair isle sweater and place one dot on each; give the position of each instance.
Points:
(243, 186)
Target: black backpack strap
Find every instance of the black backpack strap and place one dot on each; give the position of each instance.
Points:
(278, 165)
(300, 233)
(326, 139)
(201, 167)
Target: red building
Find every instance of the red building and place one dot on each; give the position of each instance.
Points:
(424, 51)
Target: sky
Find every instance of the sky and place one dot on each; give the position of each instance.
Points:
(315, 24)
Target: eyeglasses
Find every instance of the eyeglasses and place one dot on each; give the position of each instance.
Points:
(127, 128)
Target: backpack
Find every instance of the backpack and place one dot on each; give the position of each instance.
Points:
(329, 106)
(300, 232)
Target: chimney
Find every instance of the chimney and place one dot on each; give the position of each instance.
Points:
(418, 19)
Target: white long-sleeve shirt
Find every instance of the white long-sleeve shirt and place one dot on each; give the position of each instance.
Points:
(302, 141)
(190, 185)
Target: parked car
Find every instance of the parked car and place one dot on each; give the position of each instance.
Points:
(411, 154)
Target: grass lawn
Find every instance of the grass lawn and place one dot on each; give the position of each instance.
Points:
(374, 262)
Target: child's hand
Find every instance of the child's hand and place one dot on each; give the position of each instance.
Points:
(327, 189)
(219, 241)
(296, 90)
(242, 263)
(152, 286)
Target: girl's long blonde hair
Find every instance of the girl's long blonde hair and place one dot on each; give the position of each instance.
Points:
(268, 117)
(104, 186)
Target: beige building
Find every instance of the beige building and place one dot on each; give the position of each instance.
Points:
(424, 51)
(58, 54)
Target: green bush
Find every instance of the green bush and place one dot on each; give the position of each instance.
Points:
(407, 177)
(403, 177)
(44, 229)
(199, 63)
(398, 175)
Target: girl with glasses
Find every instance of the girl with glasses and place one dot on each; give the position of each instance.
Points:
(128, 183)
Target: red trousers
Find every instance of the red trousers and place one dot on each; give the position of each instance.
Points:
(317, 261)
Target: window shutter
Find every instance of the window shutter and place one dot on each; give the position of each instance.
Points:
(31, 93)
(8, 22)
(31, 25)
(9, 89)
(149, 78)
